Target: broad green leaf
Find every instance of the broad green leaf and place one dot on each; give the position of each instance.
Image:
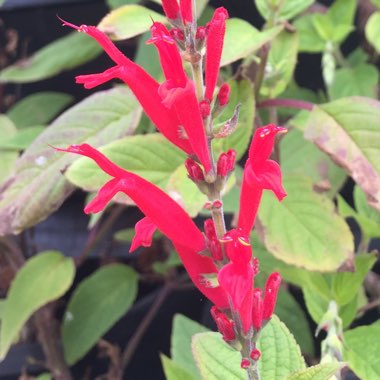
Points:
(290, 312)
(342, 11)
(348, 130)
(362, 346)
(183, 331)
(242, 39)
(241, 93)
(360, 80)
(364, 210)
(320, 238)
(146, 57)
(22, 139)
(215, 359)
(96, 305)
(39, 108)
(129, 21)
(317, 372)
(281, 10)
(173, 371)
(280, 353)
(38, 187)
(310, 40)
(318, 166)
(112, 4)
(63, 54)
(280, 65)
(44, 278)
(150, 156)
(8, 159)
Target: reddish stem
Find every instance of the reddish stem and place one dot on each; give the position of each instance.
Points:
(289, 103)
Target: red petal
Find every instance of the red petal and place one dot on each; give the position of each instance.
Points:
(171, 9)
(145, 229)
(186, 7)
(93, 80)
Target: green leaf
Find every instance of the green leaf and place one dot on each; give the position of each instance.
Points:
(63, 54)
(364, 209)
(39, 108)
(317, 372)
(320, 238)
(183, 331)
(376, 3)
(362, 346)
(281, 63)
(112, 4)
(241, 93)
(290, 312)
(129, 21)
(95, 306)
(146, 57)
(318, 166)
(22, 139)
(348, 130)
(44, 376)
(124, 236)
(242, 39)
(173, 371)
(360, 80)
(282, 10)
(310, 40)
(8, 159)
(151, 156)
(38, 187)
(44, 278)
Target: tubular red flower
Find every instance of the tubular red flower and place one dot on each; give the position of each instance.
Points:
(214, 48)
(194, 170)
(257, 309)
(271, 290)
(186, 7)
(259, 173)
(171, 9)
(143, 86)
(145, 229)
(224, 324)
(224, 94)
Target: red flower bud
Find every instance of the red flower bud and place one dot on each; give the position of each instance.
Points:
(257, 309)
(171, 9)
(224, 94)
(270, 297)
(224, 324)
(217, 204)
(216, 250)
(255, 265)
(245, 363)
(222, 165)
(231, 159)
(209, 229)
(201, 33)
(255, 354)
(194, 170)
(177, 34)
(204, 107)
(186, 7)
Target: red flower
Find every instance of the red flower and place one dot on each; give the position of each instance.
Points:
(171, 9)
(162, 212)
(186, 7)
(214, 48)
(145, 229)
(259, 173)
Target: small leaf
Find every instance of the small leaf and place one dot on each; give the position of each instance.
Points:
(44, 278)
(95, 306)
(183, 331)
(360, 80)
(63, 54)
(348, 130)
(150, 156)
(173, 371)
(242, 39)
(362, 346)
(372, 30)
(39, 108)
(287, 9)
(38, 187)
(321, 239)
(317, 372)
(310, 40)
(129, 21)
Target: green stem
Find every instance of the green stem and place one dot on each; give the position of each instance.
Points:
(261, 69)
(197, 71)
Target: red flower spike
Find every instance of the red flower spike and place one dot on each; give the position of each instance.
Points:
(171, 9)
(143, 86)
(257, 309)
(255, 354)
(224, 94)
(194, 170)
(186, 7)
(245, 363)
(204, 108)
(224, 324)
(214, 47)
(259, 173)
(271, 290)
(145, 229)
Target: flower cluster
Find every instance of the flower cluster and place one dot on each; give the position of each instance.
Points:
(219, 262)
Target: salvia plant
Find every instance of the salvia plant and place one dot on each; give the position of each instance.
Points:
(209, 146)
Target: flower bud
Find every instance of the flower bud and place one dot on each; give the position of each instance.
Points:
(186, 7)
(224, 324)
(257, 309)
(231, 153)
(204, 108)
(201, 33)
(177, 34)
(271, 290)
(255, 265)
(194, 170)
(222, 165)
(245, 363)
(171, 9)
(216, 250)
(224, 94)
(209, 229)
(217, 204)
(255, 354)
